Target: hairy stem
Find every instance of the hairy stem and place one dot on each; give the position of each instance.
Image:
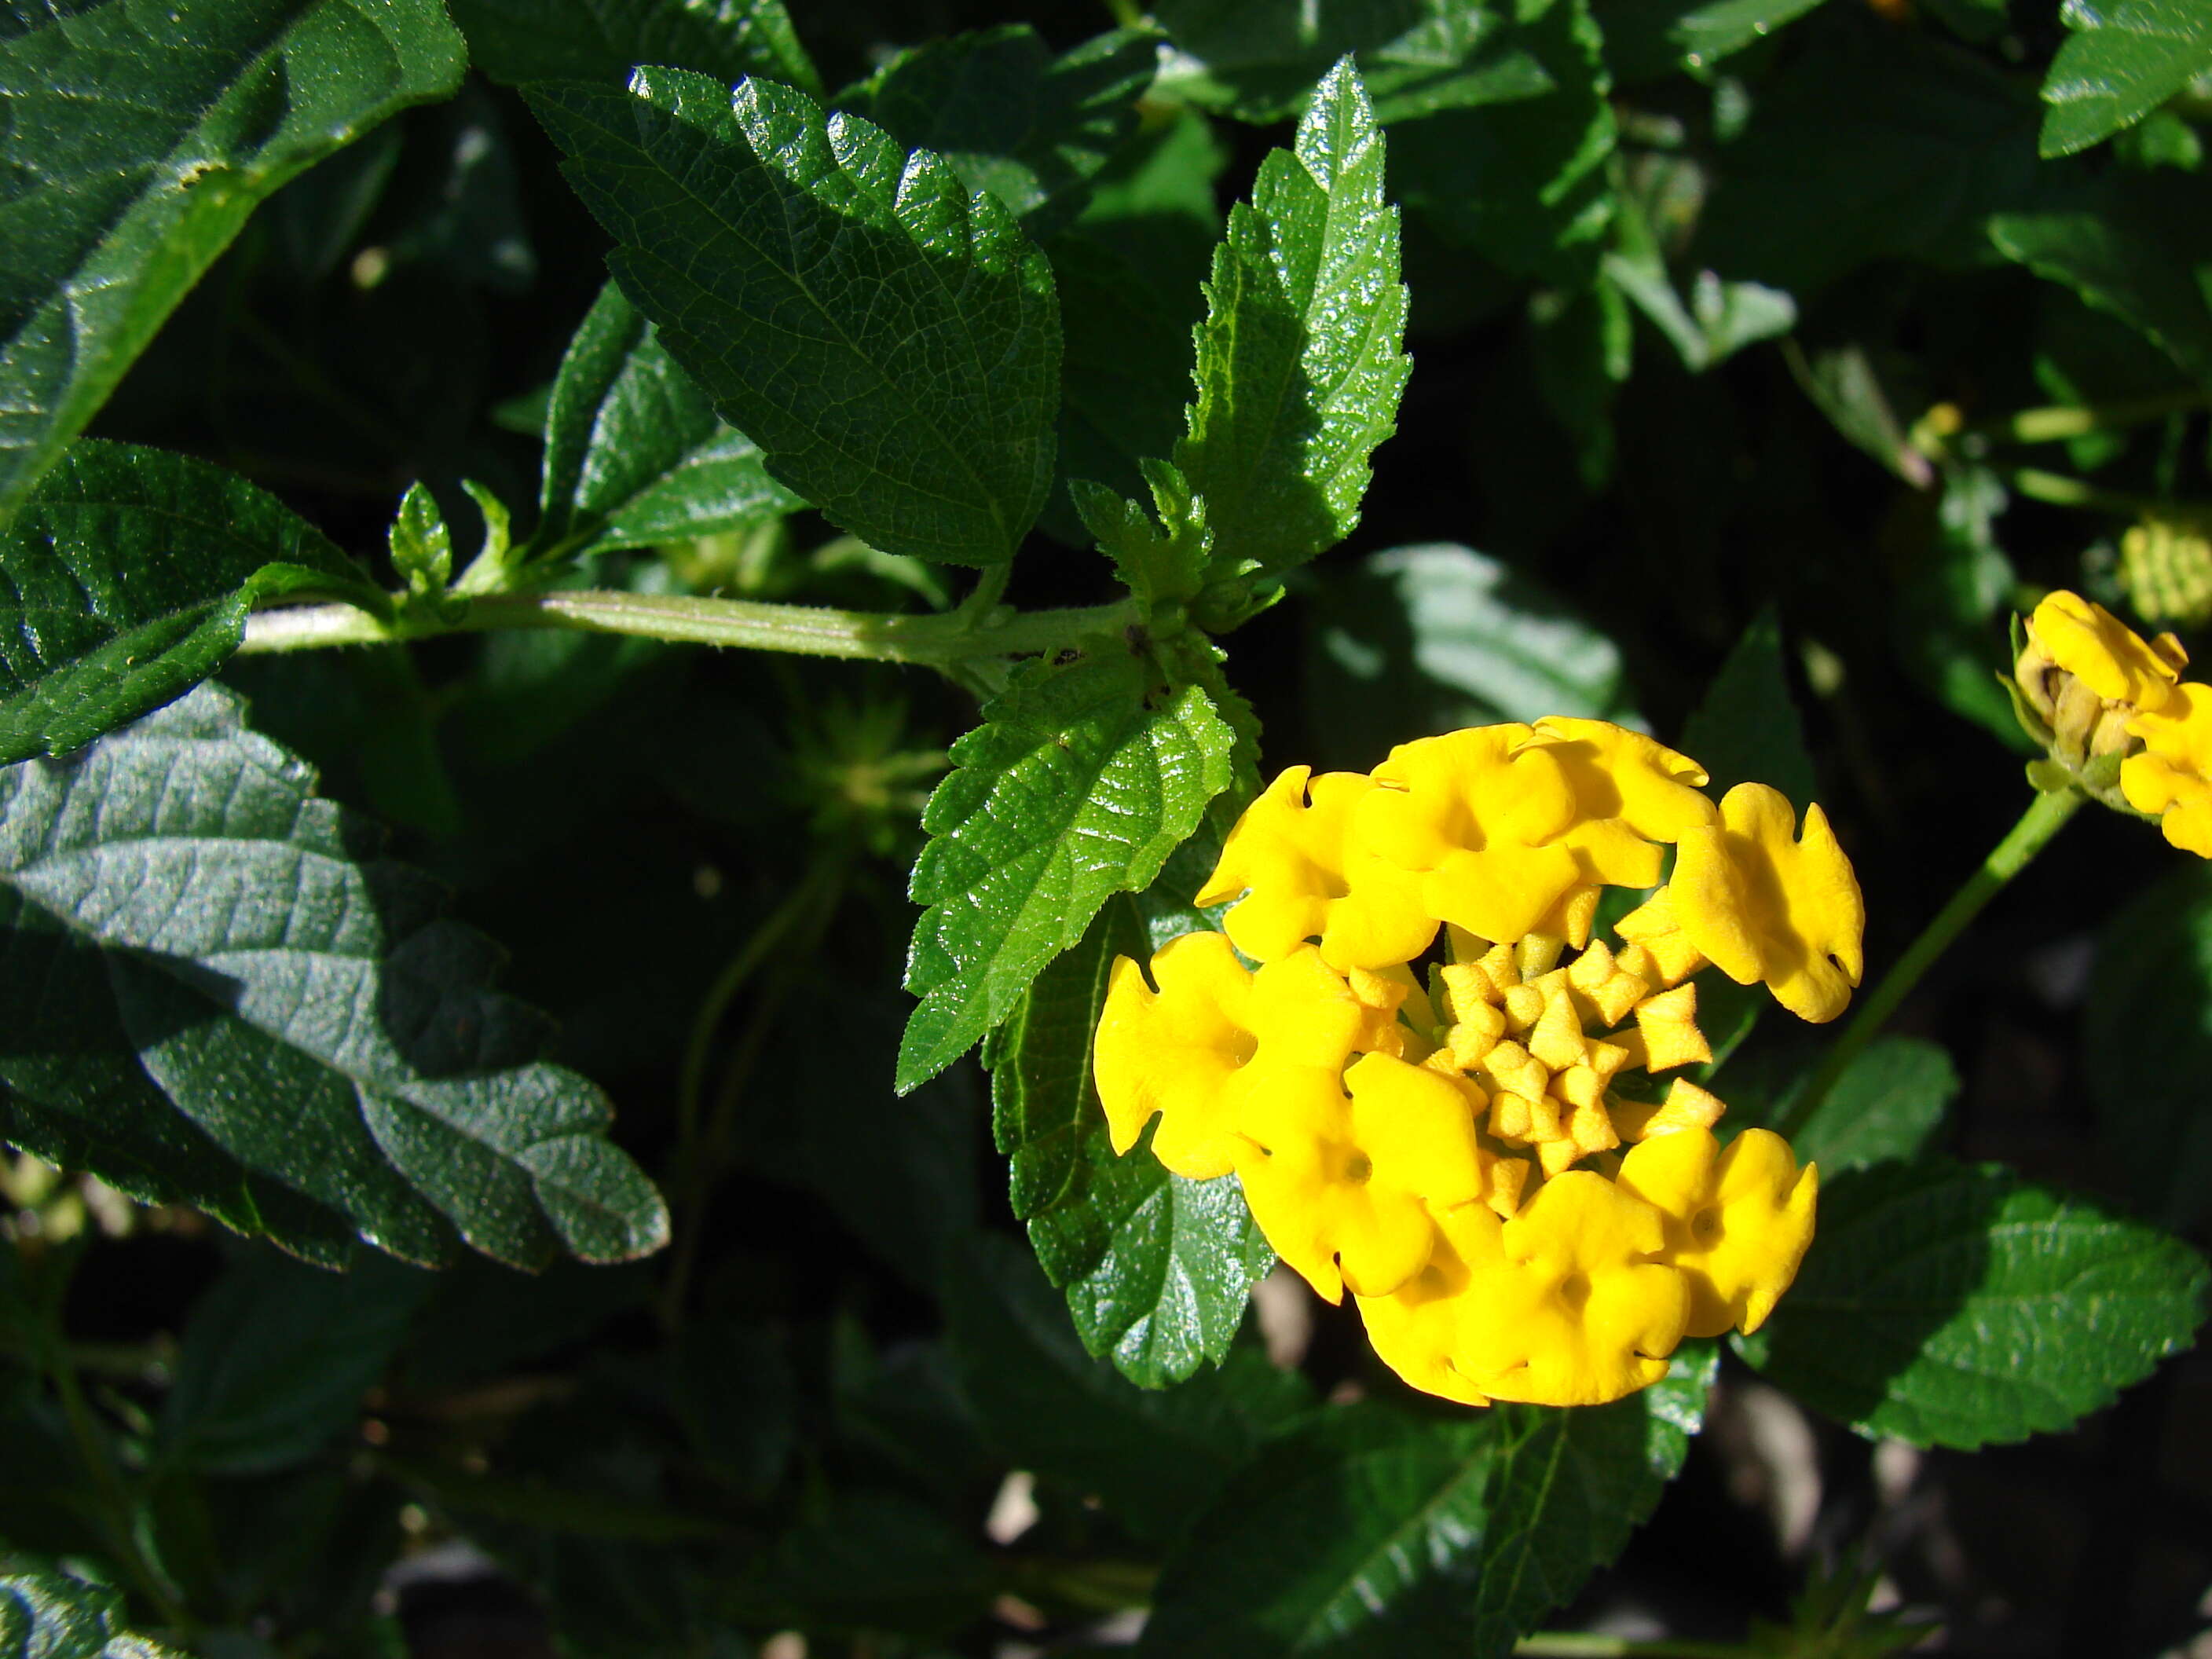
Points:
(938, 642)
(2046, 814)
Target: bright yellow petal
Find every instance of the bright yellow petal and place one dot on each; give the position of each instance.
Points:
(1765, 907)
(1177, 1052)
(1625, 776)
(1738, 1219)
(2099, 649)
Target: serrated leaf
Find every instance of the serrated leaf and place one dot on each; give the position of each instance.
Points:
(422, 545)
(1523, 184)
(1154, 1457)
(1887, 1104)
(141, 133)
(1161, 561)
(1081, 780)
(1745, 729)
(1009, 117)
(1371, 1532)
(129, 575)
(515, 41)
(47, 1614)
(1299, 370)
(2137, 248)
(276, 1359)
(891, 345)
(1259, 62)
(294, 997)
(1435, 637)
(1953, 1305)
(634, 453)
(2124, 59)
(2147, 1043)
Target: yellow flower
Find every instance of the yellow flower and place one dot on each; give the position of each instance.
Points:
(1762, 906)
(2085, 640)
(1478, 823)
(1192, 1050)
(1415, 1328)
(1738, 1220)
(1630, 793)
(1289, 855)
(2173, 776)
(1568, 1309)
(1337, 1184)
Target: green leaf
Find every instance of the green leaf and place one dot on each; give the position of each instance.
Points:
(1887, 1104)
(1259, 61)
(1009, 117)
(1957, 585)
(48, 1615)
(1080, 782)
(1720, 318)
(634, 453)
(1371, 1531)
(891, 345)
(1299, 370)
(129, 574)
(1953, 1305)
(1644, 41)
(1568, 1487)
(1154, 1457)
(422, 546)
(275, 1359)
(1523, 184)
(2147, 1043)
(2136, 247)
(2124, 60)
(1433, 638)
(1745, 729)
(213, 938)
(1158, 563)
(1868, 145)
(1157, 1269)
(514, 41)
(141, 133)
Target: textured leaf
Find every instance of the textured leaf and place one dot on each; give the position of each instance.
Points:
(140, 135)
(1259, 61)
(48, 1615)
(210, 937)
(1523, 184)
(275, 1359)
(517, 41)
(1887, 1104)
(1645, 40)
(1079, 782)
(1154, 1456)
(1953, 1305)
(1299, 370)
(129, 576)
(1745, 729)
(1009, 117)
(1370, 1531)
(2125, 59)
(2146, 1044)
(891, 345)
(634, 453)
(2139, 248)
(1160, 560)
(1433, 638)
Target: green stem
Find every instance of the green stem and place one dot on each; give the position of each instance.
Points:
(114, 1501)
(939, 642)
(1581, 1644)
(2060, 490)
(2062, 420)
(2045, 816)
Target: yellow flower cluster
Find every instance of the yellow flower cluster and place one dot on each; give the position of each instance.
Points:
(2100, 689)
(1481, 1152)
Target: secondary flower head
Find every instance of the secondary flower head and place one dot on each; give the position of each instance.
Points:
(1431, 1087)
(2119, 722)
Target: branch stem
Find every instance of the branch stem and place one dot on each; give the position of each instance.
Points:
(2045, 816)
(938, 642)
